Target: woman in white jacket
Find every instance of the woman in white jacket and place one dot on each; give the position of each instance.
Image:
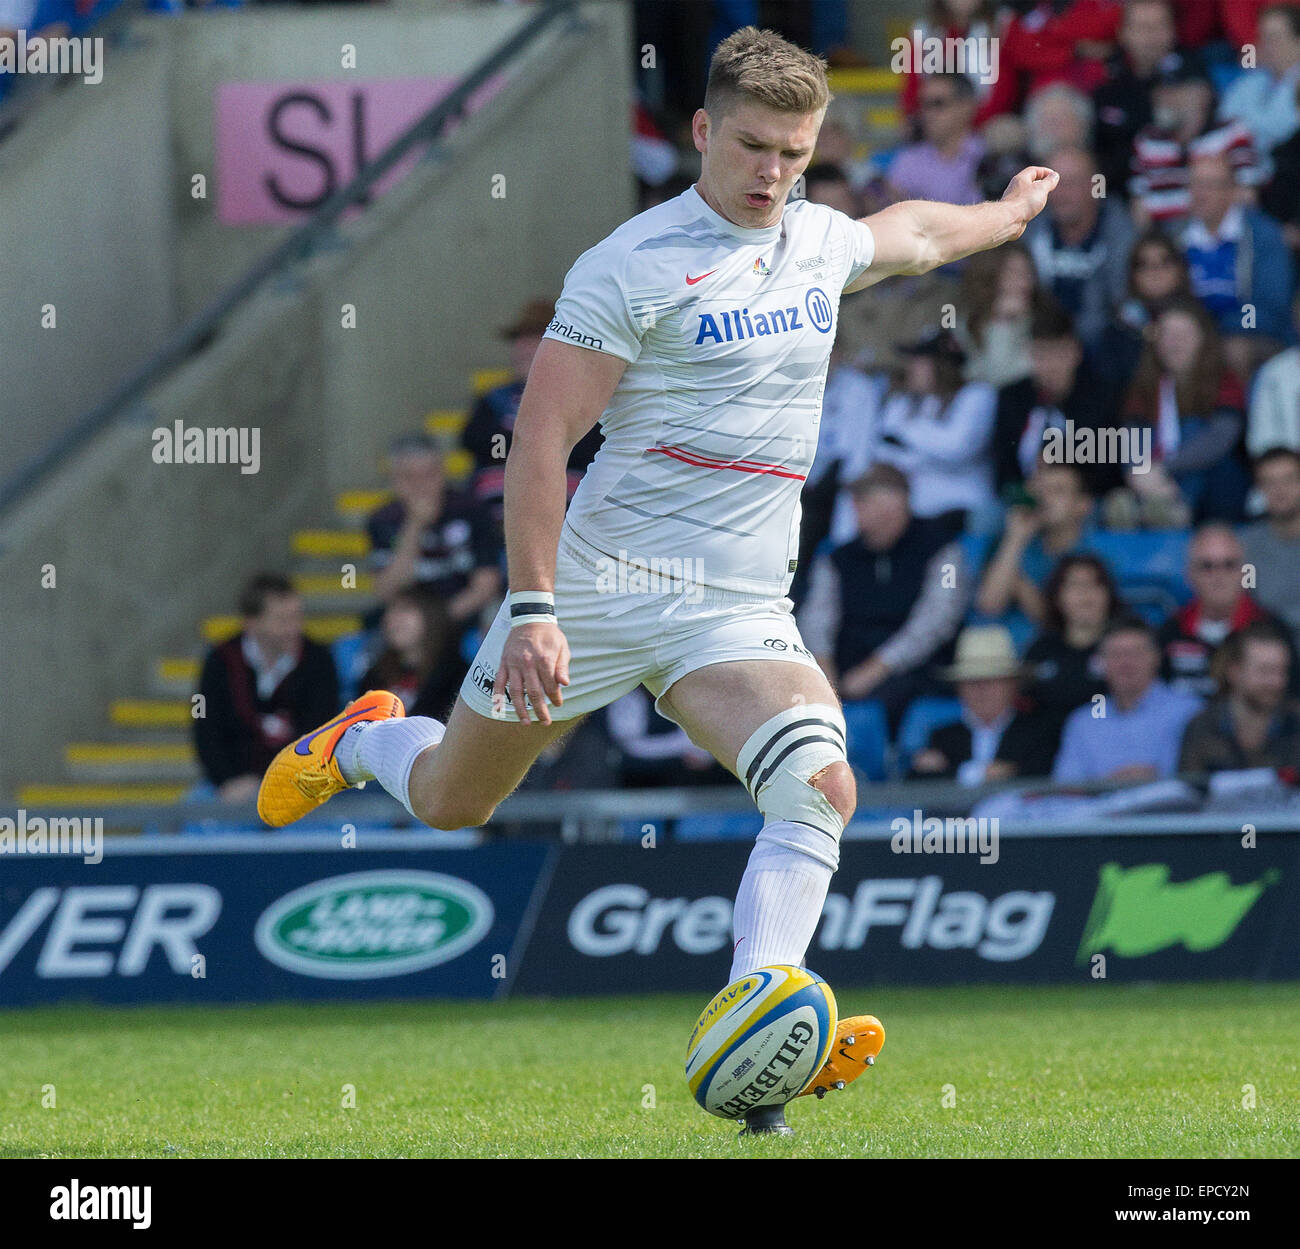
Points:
(937, 431)
(1275, 400)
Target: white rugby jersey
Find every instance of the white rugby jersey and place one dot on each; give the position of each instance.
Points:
(713, 428)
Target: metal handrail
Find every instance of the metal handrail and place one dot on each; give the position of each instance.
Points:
(300, 244)
(576, 809)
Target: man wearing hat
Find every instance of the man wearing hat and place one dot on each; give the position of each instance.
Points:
(993, 740)
(491, 424)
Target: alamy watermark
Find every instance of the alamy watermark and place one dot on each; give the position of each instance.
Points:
(973, 55)
(35, 834)
(658, 575)
(198, 444)
(25, 53)
(1128, 445)
(930, 834)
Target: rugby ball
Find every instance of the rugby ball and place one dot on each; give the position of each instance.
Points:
(760, 1041)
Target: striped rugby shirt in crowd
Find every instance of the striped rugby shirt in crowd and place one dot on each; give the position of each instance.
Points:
(713, 427)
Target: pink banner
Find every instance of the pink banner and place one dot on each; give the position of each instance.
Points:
(284, 148)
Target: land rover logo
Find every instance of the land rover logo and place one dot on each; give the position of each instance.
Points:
(371, 924)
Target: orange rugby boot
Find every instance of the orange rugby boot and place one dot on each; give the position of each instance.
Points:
(305, 773)
(858, 1040)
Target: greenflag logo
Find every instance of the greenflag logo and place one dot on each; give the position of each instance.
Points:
(1138, 911)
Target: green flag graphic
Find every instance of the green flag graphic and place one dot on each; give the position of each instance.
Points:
(1137, 911)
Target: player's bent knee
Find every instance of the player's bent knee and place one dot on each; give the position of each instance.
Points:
(837, 782)
(444, 811)
(778, 765)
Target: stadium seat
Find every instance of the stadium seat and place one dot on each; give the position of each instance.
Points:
(919, 721)
(718, 826)
(975, 550)
(1146, 562)
(470, 643)
(351, 658)
(868, 737)
(1223, 74)
(1153, 604)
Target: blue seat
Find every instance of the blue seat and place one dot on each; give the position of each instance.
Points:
(1223, 74)
(975, 550)
(868, 737)
(920, 719)
(1153, 604)
(351, 659)
(1146, 563)
(719, 826)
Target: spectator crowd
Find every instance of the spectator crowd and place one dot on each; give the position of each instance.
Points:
(1056, 532)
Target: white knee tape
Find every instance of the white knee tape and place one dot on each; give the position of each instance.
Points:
(778, 760)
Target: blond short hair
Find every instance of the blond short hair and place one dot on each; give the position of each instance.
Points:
(761, 66)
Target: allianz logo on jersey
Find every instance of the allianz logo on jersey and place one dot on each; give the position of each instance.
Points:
(740, 323)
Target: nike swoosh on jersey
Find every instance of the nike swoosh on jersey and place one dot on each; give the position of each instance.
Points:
(690, 281)
(304, 746)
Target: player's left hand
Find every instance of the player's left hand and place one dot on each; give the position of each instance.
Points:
(1030, 188)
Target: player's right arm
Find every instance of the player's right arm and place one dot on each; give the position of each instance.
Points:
(915, 236)
(568, 389)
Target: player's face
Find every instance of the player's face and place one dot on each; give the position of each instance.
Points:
(752, 156)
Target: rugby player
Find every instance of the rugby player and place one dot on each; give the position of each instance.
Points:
(698, 333)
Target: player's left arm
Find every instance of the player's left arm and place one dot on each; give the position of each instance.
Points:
(915, 236)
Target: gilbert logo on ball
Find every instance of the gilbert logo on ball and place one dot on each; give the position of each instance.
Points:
(761, 1041)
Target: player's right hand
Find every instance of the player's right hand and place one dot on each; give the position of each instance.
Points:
(1031, 187)
(534, 662)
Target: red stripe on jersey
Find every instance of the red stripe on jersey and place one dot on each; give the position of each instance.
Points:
(739, 466)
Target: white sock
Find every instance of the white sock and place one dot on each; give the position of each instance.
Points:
(386, 750)
(780, 899)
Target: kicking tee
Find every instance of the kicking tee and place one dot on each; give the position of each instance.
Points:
(713, 427)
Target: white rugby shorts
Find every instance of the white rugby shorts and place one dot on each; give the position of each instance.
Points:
(621, 635)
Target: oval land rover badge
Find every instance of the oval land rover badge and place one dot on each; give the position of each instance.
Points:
(367, 925)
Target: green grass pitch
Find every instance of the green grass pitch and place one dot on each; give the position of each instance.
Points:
(1093, 1071)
